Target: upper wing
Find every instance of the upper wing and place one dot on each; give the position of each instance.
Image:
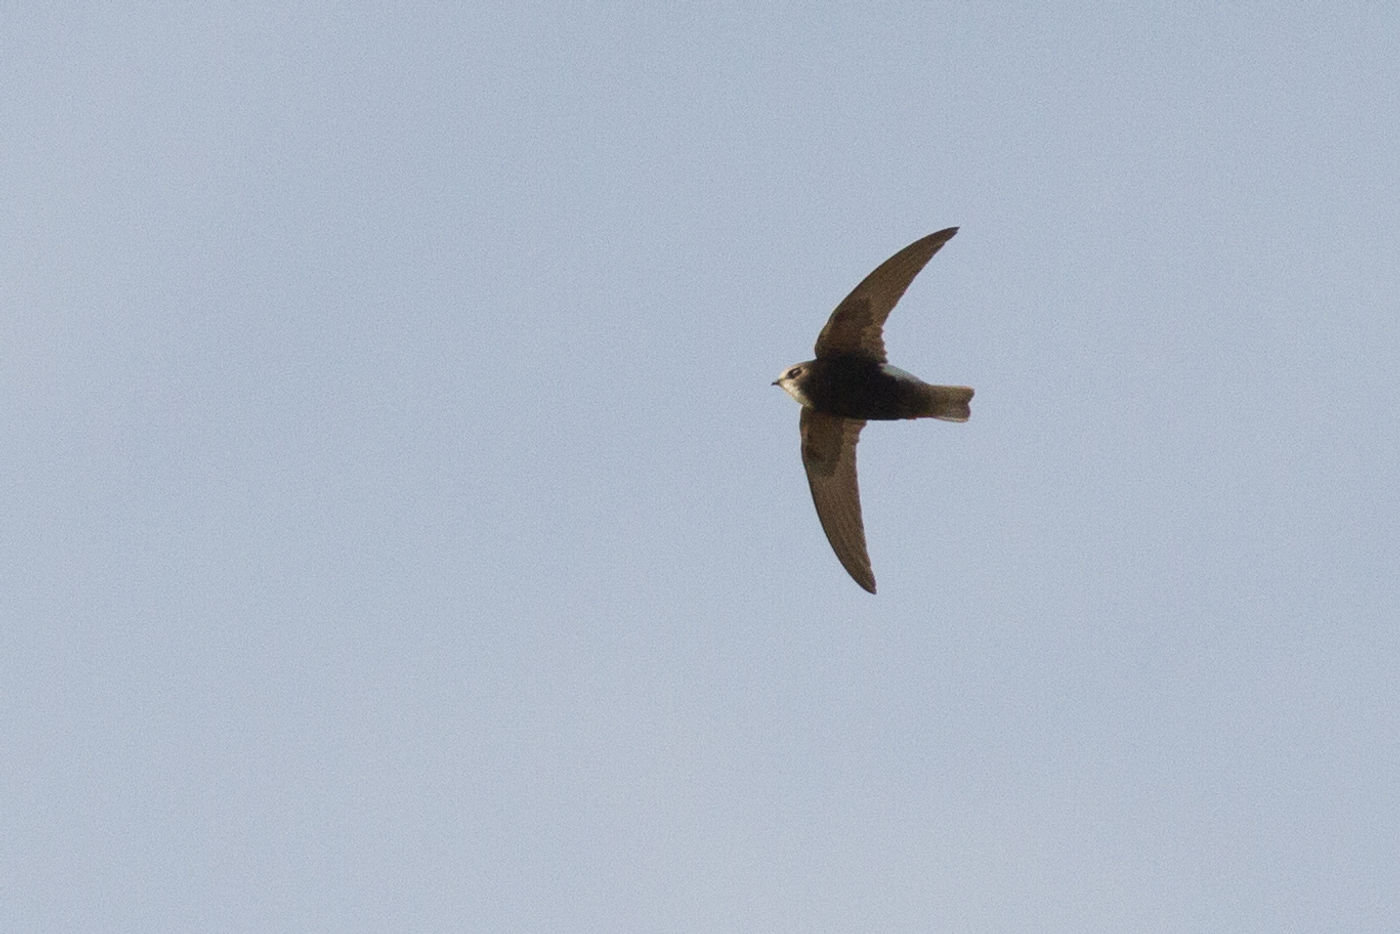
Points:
(856, 326)
(829, 454)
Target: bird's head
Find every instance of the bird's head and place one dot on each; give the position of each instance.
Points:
(792, 380)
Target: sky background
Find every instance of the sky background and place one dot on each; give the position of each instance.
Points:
(399, 530)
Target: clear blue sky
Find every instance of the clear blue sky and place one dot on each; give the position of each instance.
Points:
(400, 531)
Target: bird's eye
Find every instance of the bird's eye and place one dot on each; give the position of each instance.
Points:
(794, 372)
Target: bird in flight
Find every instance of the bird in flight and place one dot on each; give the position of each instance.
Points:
(850, 383)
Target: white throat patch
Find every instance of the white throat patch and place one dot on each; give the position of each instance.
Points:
(791, 388)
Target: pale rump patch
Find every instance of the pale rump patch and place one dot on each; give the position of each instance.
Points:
(896, 373)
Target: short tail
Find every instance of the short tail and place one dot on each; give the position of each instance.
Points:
(949, 403)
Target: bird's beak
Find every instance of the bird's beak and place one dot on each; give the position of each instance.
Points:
(774, 383)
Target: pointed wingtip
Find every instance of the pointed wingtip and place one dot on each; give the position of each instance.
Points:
(865, 577)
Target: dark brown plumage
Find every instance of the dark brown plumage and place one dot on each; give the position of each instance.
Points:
(850, 383)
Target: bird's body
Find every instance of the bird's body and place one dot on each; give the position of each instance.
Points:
(850, 383)
(858, 387)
